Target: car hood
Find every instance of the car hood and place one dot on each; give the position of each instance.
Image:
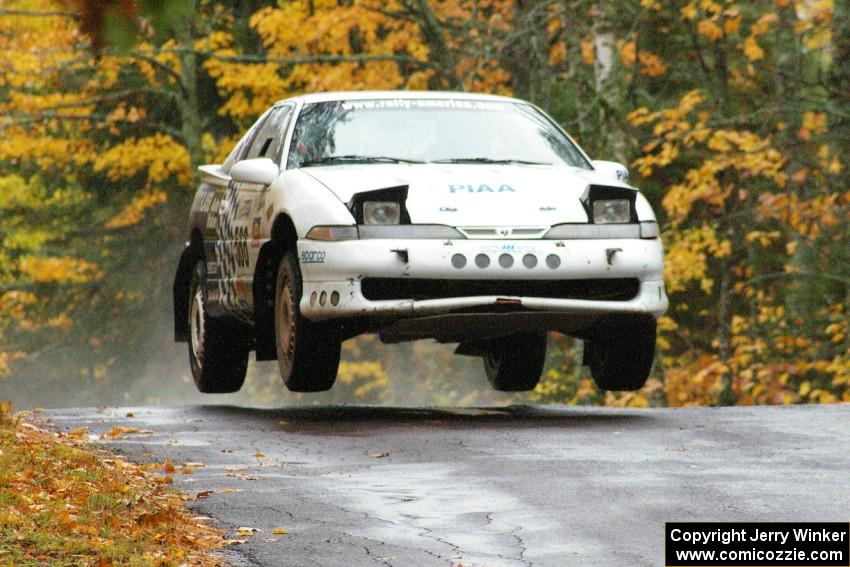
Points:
(472, 194)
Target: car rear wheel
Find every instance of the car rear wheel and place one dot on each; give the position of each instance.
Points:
(620, 358)
(307, 353)
(218, 346)
(515, 363)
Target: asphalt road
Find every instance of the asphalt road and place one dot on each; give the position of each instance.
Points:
(498, 486)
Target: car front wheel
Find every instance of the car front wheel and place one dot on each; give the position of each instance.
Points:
(620, 358)
(218, 346)
(307, 353)
(515, 363)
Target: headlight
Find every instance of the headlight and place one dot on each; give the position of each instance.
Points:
(611, 211)
(381, 212)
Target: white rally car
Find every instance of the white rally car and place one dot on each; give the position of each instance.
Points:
(465, 218)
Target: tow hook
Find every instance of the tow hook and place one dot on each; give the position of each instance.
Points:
(403, 254)
(609, 254)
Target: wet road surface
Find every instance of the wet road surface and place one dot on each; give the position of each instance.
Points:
(499, 487)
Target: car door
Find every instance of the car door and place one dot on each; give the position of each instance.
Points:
(241, 216)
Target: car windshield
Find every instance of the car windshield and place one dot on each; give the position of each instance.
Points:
(409, 130)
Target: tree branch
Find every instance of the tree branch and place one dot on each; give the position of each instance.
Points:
(38, 13)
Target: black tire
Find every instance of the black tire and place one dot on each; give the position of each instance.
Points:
(218, 346)
(515, 363)
(307, 352)
(620, 358)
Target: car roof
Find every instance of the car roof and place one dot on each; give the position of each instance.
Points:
(364, 95)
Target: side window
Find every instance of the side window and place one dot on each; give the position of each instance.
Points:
(270, 137)
(238, 152)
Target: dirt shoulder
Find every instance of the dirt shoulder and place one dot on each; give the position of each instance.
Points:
(65, 502)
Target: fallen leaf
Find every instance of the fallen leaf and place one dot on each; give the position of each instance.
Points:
(379, 455)
(194, 465)
(168, 466)
(129, 414)
(259, 454)
(204, 493)
(234, 541)
(280, 531)
(246, 531)
(78, 433)
(118, 431)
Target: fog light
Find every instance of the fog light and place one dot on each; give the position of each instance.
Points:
(482, 260)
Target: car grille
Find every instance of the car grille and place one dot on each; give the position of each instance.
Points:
(610, 289)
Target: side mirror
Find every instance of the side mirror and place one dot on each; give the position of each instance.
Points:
(611, 169)
(261, 171)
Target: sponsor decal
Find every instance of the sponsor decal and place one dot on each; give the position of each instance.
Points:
(240, 246)
(204, 205)
(214, 204)
(212, 212)
(244, 209)
(481, 188)
(313, 256)
(508, 248)
(412, 103)
(255, 232)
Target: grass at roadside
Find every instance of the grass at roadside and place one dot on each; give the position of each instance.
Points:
(63, 502)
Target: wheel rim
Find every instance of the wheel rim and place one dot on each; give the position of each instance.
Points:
(286, 322)
(196, 324)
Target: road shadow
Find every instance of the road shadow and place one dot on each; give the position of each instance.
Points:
(334, 418)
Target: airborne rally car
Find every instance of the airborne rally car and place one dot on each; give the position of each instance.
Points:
(465, 218)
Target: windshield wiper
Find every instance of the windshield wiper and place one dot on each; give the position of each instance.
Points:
(489, 160)
(351, 158)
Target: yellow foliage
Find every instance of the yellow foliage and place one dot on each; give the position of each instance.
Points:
(686, 258)
(135, 211)
(368, 378)
(763, 24)
(710, 29)
(58, 269)
(588, 53)
(158, 156)
(650, 64)
(752, 50)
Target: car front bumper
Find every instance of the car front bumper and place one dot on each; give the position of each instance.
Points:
(333, 274)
